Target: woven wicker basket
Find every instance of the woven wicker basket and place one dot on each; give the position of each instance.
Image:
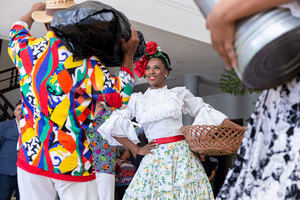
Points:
(213, 140)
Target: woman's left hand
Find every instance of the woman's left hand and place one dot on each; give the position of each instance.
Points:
(222, 35)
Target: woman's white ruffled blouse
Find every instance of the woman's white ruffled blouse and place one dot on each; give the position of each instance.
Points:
(159, 111)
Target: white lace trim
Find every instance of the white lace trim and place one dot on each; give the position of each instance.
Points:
(160, 112)
(118, 126)
(165, 104)
(180, 92)
(192, 104)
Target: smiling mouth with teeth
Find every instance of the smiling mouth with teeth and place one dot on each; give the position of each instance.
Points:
(152, 77)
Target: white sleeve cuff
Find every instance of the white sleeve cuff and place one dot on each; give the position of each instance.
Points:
(209, 116)
(21, 23)
(118, 126)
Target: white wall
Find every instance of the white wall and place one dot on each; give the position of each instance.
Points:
(181, 17)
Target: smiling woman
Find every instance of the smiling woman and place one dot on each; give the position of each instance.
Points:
(170, 170)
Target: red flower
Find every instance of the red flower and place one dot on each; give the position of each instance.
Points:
(140, 67)
(142, 62)
(140, 72)
(151, 47)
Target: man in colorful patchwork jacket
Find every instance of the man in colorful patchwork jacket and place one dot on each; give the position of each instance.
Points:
(59, 96)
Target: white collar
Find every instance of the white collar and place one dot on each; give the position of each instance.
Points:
(151, 91)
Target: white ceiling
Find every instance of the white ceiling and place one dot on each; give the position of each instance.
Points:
(188, 56)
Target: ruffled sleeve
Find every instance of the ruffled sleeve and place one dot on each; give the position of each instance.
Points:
(119, 124)
(191, 104)
(204, 114)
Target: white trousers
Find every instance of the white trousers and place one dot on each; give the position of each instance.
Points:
(36, 187)
(106, 186)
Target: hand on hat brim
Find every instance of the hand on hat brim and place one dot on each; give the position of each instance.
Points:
(41, 16)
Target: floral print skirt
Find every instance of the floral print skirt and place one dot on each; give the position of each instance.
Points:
(171, 172)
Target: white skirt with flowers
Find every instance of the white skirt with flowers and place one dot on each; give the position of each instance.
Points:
(171, 172)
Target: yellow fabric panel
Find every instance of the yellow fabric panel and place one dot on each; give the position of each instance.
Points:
(86, 173)
(69, 163)
(35, 41)
(81, 108)
(28, 135)
(99, 78)
(60, 113)
(70, 63)
(60, 150)
(125, 99)
(88, 87)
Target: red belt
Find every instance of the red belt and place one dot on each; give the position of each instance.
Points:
(169, 139)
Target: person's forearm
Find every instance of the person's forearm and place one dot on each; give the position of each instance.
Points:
(232, 10)
(35, 7)
(213, 174)
(27, 19)
(129, 48)
(128, 144)
(128, 61)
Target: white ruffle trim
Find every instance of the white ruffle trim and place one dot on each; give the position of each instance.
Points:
(180, 92)
(189, 103)
(166, 104)
(161, 111)
(118, 126)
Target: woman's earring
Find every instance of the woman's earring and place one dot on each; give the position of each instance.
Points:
(166, 76)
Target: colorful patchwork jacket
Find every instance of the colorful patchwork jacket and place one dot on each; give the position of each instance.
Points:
(59, 95)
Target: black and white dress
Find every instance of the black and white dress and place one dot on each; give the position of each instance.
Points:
(268, 162)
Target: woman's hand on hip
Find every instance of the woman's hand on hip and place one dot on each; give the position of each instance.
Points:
(147, 148)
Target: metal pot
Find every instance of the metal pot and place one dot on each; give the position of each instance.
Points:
(267, 46)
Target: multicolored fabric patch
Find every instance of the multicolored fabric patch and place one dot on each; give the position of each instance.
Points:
(104, 154)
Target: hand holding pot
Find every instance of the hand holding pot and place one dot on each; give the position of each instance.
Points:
(222, 35)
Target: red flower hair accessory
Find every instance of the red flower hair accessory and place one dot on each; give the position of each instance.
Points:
(140, 66)
(151, 50)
